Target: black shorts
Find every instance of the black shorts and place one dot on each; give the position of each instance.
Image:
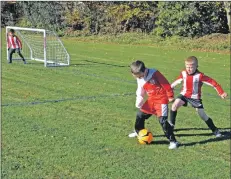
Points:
(11, 50)
(196, 103)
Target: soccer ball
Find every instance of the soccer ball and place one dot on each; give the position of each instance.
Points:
(144, 136)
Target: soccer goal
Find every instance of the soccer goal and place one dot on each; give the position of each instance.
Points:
(41, 45)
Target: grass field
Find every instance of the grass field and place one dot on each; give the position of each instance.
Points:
(72, 122)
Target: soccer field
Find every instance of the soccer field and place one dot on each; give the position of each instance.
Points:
(72, 122)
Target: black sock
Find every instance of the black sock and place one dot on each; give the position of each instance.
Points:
(211, 125)
(167, 129)
(140, 120)
(173, 117)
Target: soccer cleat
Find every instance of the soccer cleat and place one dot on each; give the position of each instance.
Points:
(173, 145)
(217, 133)
(133, 134)
(24, 62)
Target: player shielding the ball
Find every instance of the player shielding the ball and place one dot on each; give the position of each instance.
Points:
(159, 92)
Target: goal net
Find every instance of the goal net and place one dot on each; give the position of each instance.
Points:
(40, 45)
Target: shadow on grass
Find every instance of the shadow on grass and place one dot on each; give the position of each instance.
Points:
(28, 62)
(226, 135)
(188, 129)
(160, 142)
(90, 62)
(82, 64)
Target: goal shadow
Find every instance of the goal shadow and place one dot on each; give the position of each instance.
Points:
(93, 63)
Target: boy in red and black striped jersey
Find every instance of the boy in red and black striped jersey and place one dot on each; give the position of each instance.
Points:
(14, 45)
(159, 93)
(193, 80)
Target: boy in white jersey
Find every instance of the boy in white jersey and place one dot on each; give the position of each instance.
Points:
(159, 93)
(191, 92)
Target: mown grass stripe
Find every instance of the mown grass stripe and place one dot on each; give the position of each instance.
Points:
(78, 98)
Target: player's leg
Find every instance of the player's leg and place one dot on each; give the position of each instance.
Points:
(20, 54)
(167, 128)
(208, 121)
(11, 51)
(175, 106)
(162, 113)
(139, 124)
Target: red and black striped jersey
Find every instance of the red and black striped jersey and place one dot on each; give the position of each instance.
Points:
(192, 84)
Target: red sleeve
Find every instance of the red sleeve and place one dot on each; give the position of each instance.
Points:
(165, 84)
(211, 82)
(19, 42)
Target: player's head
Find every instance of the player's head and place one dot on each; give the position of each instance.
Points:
(191, 64)
(138, 69)
(11, 32)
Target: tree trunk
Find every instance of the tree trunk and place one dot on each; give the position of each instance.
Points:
(228, 12)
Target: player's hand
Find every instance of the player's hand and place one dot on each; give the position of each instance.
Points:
(224, 95)
(171, 100)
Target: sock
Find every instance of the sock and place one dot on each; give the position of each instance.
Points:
(167, 128)
(211, 125)
(173, 117)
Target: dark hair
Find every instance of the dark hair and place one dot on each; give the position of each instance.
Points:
(137, 67)
(12, 31)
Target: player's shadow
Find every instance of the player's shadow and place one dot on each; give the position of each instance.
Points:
(188, 129)
(160, 142)
(226, 135)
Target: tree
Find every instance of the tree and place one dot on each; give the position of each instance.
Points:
(48, 15)
(10, 13)
(191, 18)
(128, 16)
(182, 18)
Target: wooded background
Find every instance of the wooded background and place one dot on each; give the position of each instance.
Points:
(185, 18)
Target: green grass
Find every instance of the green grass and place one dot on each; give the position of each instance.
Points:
(216, 42)
(77, 126)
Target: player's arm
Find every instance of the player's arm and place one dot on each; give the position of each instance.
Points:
(165, 84)
(19, 42)
(211, 82)
(140, 92)
(178, 81)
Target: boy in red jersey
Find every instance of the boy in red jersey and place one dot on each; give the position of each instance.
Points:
(193, 80)
(14, 45)
(159, 92)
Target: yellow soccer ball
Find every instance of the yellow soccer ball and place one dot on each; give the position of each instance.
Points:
(145, 136)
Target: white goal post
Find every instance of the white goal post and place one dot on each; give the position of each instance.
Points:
(41, 45)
